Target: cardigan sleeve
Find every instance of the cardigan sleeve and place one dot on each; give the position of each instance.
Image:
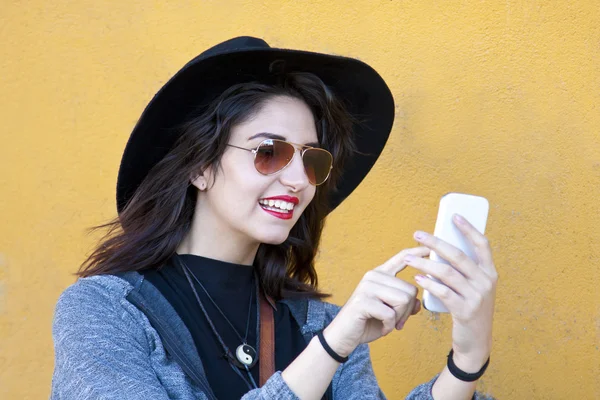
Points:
(423, 392)
(355, 378)
(275, 388)
(100, 350)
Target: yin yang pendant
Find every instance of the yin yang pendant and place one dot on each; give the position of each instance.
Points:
(246, 355)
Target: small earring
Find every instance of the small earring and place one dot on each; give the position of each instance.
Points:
(202, 186)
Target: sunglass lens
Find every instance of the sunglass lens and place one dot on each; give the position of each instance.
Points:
(272, 156)
(317, 163)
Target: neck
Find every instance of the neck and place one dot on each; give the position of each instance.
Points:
(208, 238)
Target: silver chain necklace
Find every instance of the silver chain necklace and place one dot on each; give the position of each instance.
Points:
(245, 356)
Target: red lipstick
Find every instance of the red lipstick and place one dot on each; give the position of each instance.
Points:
(289, 199)
(280, 214)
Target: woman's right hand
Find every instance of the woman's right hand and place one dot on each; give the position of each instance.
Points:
(380, 303)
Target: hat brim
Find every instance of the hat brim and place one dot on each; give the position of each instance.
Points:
(361, 88)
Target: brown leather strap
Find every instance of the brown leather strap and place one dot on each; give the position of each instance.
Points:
(266, 357)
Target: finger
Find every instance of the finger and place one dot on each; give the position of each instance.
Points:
(396, 263)
(381, 312)
(385, 281)
(417, 307)
(391, 281)
(444, 272)
(407, 313)
(454, 256)
(399, 300)
(447, 296)
(480, 243)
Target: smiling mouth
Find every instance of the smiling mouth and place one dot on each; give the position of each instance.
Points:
(277, 208)
(277, 205)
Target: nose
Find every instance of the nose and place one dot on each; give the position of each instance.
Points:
(294, 176)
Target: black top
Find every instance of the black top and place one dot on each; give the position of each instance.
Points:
(230, 286)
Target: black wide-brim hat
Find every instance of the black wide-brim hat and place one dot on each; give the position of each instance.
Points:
(247, 59)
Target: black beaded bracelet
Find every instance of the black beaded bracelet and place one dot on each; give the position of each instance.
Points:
(329, 350)
(462, 375)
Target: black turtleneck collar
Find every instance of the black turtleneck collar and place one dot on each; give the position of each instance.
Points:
(219, 274)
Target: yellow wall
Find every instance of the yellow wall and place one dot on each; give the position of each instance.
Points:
(497, 98)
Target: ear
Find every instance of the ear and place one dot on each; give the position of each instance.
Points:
(199, 181)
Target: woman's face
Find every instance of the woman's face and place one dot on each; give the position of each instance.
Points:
(233, 204)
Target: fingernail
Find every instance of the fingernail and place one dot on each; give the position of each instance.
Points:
(459, 219)
(419, 235)
(400, 325)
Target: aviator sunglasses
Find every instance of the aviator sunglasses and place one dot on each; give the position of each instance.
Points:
(273, 155)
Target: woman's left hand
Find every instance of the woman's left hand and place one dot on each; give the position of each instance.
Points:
(469, 292)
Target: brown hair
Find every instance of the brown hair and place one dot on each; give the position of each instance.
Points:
(158, 216)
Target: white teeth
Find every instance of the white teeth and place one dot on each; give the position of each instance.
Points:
(279, 210)
(277, 205)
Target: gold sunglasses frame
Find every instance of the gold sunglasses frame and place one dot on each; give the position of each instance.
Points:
(301, 147)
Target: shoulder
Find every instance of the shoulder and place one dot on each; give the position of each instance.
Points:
(91, 301)
(96, 290)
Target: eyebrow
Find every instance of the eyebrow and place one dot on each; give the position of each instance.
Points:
(278, 137)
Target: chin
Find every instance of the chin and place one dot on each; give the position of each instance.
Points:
(274, 238)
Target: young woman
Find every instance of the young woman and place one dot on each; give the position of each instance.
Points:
(205, 287)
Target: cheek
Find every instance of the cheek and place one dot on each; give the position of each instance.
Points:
(309, 196)
(311, 192)
(241, 186)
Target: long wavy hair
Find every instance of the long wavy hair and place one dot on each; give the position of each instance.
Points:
(149, 229)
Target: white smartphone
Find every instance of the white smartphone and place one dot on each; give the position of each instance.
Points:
(475, 210)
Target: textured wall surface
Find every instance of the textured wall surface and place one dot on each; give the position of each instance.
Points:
(496, 98)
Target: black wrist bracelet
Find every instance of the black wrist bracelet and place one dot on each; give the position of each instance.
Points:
(329, 350)
(462, 375)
